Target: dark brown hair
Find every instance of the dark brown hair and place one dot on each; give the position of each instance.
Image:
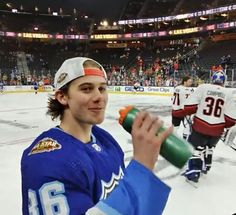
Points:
(55, 108)
(185, 78)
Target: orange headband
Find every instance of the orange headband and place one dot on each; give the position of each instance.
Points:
(94, 71)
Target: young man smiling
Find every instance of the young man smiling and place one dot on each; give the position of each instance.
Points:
(74, 167)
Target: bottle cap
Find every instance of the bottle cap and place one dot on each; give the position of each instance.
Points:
(123, 113)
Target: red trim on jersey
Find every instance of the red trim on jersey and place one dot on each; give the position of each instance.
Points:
(206, 128)
(190, 109)
(178, 113)
(94, 71)
(229, 122)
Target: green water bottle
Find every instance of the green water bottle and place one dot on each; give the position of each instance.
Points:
(174, 149)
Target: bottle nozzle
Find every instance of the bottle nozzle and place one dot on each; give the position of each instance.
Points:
(123, 113)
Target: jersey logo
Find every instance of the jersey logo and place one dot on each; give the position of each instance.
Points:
(107, 187)
(45, 145)
(97, 147)
(62, 77)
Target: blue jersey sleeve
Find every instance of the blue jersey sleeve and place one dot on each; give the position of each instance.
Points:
(139, 192)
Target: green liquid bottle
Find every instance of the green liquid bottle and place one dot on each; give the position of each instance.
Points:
(174, 149)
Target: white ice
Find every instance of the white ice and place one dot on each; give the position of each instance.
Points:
(22, 118)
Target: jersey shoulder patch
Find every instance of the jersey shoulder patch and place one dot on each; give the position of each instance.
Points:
(45, 145)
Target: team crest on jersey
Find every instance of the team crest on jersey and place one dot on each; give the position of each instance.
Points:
(45, 145)
(97, 147)
(61, 77)
(108, 187)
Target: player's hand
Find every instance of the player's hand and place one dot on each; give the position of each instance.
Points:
(145, 141)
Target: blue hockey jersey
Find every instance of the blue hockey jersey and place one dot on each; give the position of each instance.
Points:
(62, 175)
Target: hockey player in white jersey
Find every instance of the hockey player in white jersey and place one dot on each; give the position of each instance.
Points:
(181, 93)
(230, 118)
(208, 104)
(230, 138)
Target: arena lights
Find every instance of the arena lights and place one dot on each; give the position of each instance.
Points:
(10, 34)
(37, 10)
(104, 23)
(210, 27)
(104, 36)
(223, 9)
(128, 36)
(35, 35)
(9, 5)
(203, 18)
(14, 10)
(184, 31)
(224, 14)
(36, 28)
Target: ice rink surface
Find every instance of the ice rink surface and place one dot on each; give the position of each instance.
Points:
(22, 118)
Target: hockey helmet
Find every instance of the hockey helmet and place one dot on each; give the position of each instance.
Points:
(218, 77)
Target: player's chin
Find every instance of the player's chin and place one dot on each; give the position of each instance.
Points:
(98, 119)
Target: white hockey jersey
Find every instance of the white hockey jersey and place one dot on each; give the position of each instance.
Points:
(181, 93)
(230, 110)
(208, 102)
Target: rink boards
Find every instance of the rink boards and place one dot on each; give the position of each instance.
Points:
(149, 90)
(161, 91)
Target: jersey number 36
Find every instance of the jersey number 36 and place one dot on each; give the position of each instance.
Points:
(213, 107)
(51, 198)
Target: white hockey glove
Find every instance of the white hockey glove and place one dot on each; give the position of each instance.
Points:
(230, 137)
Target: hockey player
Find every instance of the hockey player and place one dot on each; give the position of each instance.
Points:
(1, 87)
(74, 166)
(230, 137)
(208, 104)
(136, 86)
(36, 87)
(230, 118)
(181, 93)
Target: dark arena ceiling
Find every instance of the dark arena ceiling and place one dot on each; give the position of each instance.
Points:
(93, 8)
(115, 10)
(87, 13)
(98, 9)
